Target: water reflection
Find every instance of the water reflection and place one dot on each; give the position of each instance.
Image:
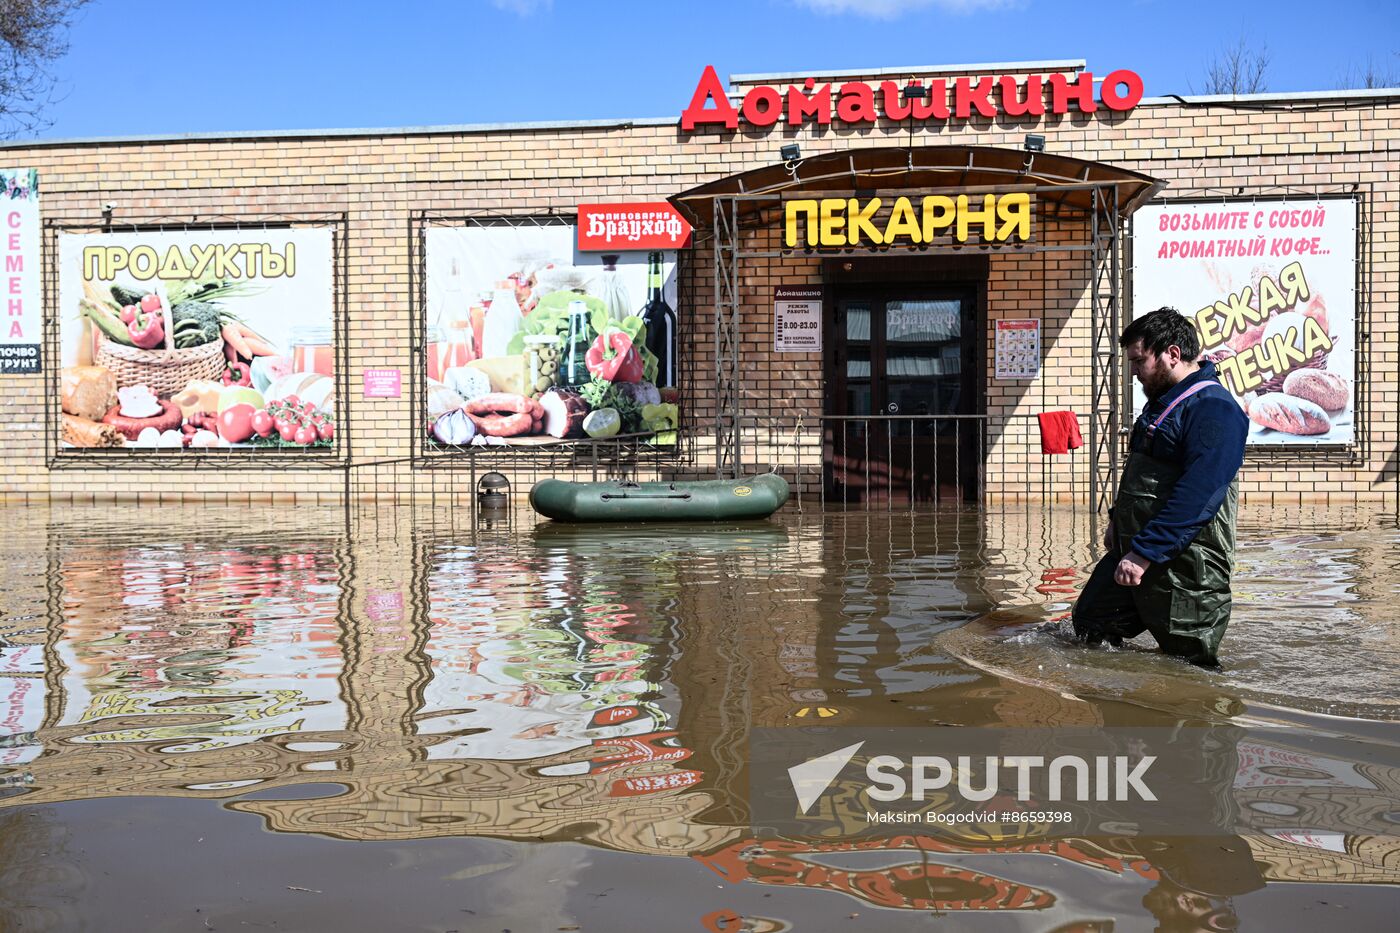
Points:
(396, 683)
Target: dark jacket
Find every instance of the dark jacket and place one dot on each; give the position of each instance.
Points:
(1205, 436)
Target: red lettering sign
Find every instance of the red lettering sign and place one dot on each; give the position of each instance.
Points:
(966, 98)
(653, 225)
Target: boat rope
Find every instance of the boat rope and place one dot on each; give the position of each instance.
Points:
(790, 446)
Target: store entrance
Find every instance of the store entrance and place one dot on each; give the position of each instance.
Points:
(902, 369)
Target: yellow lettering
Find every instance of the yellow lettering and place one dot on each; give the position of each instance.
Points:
(173, 265)
(203, 256)
(860, 218)
(226, 262)
(1270, 298)
(967, 217)
(806, 213)
(95, 263)
(1314, 337)
(1015, 210)
(833, 219)
(1208, 326)
(1294, 284)
(903, 222)
(251, 252)
(938, 214)
(143, 262)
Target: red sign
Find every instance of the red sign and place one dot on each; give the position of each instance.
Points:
(653, 225)
(965, 98)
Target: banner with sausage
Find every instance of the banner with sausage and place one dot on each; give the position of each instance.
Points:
(530, 342)
(197, 339)
(1271, 287)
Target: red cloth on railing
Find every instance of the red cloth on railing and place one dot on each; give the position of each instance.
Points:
(1059, 432)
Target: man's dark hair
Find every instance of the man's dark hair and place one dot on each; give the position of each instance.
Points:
(1165, 327)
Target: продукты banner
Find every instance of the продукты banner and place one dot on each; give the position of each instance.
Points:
(197, 339)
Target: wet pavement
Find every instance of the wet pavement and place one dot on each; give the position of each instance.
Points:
(304, 720)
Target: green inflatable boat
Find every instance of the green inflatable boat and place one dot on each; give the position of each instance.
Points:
(699, 501)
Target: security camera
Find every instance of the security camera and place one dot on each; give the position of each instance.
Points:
(109, 207)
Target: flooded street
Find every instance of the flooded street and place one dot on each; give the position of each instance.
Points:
(297, 719)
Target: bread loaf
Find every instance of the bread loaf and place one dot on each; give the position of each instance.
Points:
(1289, 414)
(83, 432)
(88, 391)
(1327, 390)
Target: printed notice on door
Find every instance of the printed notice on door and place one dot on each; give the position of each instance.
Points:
(1018, 349)
(797, 320)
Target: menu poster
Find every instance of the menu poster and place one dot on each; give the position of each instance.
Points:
(1018, 349)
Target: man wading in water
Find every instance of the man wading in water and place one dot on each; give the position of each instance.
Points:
(1171, 531)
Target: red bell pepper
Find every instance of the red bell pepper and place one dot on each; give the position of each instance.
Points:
(146, 331)
(612, 357)
(238, 373)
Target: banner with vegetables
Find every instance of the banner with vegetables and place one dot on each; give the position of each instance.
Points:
(1271, 288)
(197, 339)
(530, 342)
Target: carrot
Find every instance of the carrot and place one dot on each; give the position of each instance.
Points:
(257, 343)
(260, 347)
(249, 333)
(234, 339)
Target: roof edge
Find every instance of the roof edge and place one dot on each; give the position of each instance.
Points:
(1379, 94)
(340, 133)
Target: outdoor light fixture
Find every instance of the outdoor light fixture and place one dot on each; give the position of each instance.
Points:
(791, 152)
(493, 491)
(1035, 142)
(913, 89)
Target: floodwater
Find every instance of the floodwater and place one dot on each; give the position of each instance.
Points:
(298, 719)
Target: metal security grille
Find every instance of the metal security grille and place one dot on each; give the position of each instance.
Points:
(609, 458)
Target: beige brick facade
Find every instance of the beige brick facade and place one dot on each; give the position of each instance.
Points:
(379, 183)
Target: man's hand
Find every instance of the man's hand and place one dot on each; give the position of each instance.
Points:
(1130, 569)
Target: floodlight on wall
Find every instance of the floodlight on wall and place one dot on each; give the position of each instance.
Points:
(1035, 142)
(914, 89)
(791, 152)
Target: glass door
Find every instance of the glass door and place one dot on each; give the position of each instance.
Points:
(903, 367)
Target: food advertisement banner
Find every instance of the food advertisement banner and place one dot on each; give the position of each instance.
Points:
(530, 342)
(1271, 288)
(19, 204)
(197, 339)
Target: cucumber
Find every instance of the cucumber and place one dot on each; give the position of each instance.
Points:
(126, 296)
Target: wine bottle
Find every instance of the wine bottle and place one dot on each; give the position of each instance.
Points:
(661, 324)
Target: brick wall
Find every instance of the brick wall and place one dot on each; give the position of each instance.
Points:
(379, 182)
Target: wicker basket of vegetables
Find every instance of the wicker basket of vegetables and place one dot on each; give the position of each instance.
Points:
(161, 342)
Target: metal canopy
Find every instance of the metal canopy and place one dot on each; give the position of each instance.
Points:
(1099, 196)
(1061, 183)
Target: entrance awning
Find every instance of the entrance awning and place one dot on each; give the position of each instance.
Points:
(1062, 184)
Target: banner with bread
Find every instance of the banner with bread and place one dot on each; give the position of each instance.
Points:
(197, 339)
(529, 342)
(1271, 287)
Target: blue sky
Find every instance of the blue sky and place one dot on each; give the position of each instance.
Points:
(141, 67)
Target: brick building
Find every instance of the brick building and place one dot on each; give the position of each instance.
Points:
(823, 418)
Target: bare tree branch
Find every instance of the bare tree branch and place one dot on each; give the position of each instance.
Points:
(1369, 75)
(33, 35)
(1238, 69)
